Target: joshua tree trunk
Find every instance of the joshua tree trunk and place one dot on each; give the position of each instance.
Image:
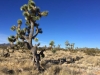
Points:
(31, 34)
(30, 43)
(36, 56)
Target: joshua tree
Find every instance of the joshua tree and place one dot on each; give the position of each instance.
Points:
(11, 39)
(72, 45)
(59, 46)
(67, 44)
(45, 46)
(31, 13)
(51, 44)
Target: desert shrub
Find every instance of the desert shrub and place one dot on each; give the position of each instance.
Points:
(73, 51)
(7, 71)
(54, 51)
(91, 51)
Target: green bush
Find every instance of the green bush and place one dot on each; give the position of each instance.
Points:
(53, 51)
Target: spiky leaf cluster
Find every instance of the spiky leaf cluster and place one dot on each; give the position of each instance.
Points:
(11, 39)
(31, 2)
(51, 43)
(27, 23)
(16, 47)
(44, 13)
(36, 24)
(21, 32)
(32, 12)
(19, 21)
(40, 30)
(13, 28)
(36, 39)
(24, 7)
(21, 37)
(20, 44)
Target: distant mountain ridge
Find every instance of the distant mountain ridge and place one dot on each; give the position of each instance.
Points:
(5, 44)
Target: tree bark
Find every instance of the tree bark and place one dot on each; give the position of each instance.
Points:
(36, 56)
(31, 34)
(30, 43)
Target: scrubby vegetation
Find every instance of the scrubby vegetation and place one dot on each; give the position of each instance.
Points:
(21, 57)
(61, 62)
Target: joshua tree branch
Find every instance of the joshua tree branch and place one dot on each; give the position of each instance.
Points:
(26, 37)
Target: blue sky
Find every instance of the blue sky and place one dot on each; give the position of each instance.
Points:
(77, 21)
